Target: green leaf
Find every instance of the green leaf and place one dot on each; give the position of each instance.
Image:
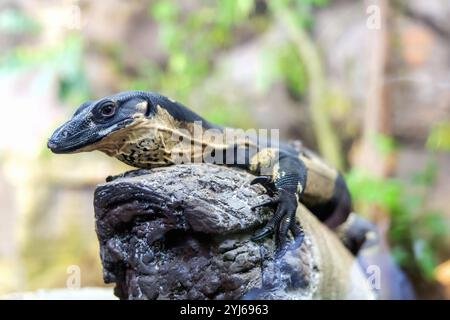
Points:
(439, 137)
(425, 257)
(164, 11)
(400, 255)
(292, 71)
(318, 3)
(230, 12)
(436, 224)
(385, 144)
(372, 190)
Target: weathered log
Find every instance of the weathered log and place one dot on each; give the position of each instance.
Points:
(183, 232)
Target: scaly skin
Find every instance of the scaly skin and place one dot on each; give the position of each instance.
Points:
(144, 130)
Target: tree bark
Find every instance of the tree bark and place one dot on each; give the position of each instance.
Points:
(183, 232)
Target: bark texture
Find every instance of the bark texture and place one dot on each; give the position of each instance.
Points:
(183, 232)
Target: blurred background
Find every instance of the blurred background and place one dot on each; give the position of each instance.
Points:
(365, 83)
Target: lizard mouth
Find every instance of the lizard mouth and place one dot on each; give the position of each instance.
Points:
(73, 147)
(62, 141)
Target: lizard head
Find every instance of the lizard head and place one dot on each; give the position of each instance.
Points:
(95, 120)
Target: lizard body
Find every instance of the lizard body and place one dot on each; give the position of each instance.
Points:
(144, 130)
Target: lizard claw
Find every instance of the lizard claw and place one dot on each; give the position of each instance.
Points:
(297, 233)
(283, 229)
(263, 233)
(261, 179)
(267, 203)
(266, 182)
(282, 222)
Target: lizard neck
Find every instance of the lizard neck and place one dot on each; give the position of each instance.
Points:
(162, 140)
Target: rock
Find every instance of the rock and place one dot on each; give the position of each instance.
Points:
(168, 235)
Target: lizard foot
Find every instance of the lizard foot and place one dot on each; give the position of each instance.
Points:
(128, 174)
(282, 221)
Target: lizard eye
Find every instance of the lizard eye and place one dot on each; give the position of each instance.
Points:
(108, 109)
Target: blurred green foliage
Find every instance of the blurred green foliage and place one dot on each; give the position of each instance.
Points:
(15, 22)
(439, 138)
(292, 71)
(385, 145)
(193, 41)
(416, 234)
(63, 58)
(47, 260)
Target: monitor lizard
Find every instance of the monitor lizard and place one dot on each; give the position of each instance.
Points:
(144, 130)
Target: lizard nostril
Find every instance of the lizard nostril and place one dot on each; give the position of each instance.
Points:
(51, 144)
(65, 134)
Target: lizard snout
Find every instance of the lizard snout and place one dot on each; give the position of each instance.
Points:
(51, 144)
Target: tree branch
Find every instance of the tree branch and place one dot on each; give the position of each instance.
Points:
(183, 232)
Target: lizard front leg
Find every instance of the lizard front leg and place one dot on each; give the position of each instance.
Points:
(287, 182)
